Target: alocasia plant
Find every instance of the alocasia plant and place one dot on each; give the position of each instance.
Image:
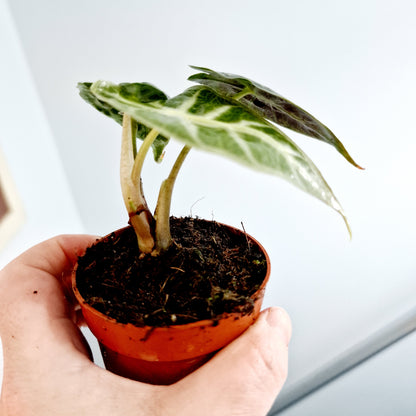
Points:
(227, 115)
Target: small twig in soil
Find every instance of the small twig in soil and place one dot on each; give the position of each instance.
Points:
(109, 285)
(198, 200)
(166, 299)
(158, 310)
(182, 315)
(248, 241)
(177, 268)
(164, 284)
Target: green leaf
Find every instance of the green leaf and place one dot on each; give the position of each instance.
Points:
(268, 104)
(202, 119)
(135, 92)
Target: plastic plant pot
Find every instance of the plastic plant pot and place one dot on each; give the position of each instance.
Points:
(164, 355)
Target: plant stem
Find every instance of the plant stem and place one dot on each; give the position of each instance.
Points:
(136, 172)
(140, 217)
(242, 93)
(162, 213)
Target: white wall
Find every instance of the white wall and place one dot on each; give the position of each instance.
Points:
(350, 63)
(30, 152)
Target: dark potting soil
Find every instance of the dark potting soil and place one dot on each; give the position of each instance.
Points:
(207, 272)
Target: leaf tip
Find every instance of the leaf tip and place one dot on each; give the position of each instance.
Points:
(354, 163)
(199, 68)
(347, 224)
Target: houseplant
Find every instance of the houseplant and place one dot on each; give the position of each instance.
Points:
(147, 290)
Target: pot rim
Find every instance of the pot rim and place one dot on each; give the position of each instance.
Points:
(179, 327)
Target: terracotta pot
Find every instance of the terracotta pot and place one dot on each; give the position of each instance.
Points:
(163, 355)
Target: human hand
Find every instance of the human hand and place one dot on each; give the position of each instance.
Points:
(48, 369)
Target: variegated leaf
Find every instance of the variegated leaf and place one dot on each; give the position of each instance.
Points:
(268, 104)
(202, 119)
(136, 91)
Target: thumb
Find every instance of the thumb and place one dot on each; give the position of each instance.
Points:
(245, 377)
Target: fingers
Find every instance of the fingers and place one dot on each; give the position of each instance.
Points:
(37, 324)
(248, 374)
(57, 254)
(35, 281)
(55, 257)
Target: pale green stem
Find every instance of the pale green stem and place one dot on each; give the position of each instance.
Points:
(136, 172)
(162, 213)
(140, 217)
(242, 93)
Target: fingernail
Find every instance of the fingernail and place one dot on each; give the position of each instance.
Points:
(278, 318)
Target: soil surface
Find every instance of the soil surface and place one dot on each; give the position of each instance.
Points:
(207, 272)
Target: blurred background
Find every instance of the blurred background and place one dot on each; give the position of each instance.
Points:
(351, 64)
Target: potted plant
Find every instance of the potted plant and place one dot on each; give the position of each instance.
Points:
(164, 294)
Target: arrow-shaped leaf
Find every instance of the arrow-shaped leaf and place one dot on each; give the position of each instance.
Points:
(141, 92)
(200, 118)
(268, 104)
